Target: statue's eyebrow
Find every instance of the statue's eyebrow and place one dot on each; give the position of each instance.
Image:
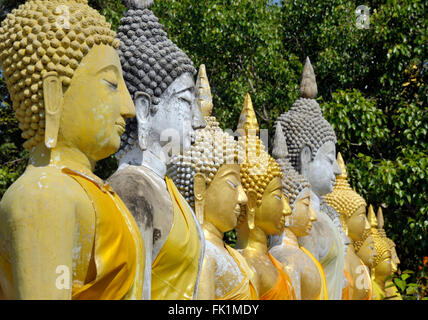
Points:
(186, 88)
(274, 187)
(109, 67)
(306, 197)
(230, 172)
(306, 201)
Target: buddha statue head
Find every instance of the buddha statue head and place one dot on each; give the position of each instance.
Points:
(394, 256)
(310, 138)
(365, 248)
(384, 264)
(64, 77)
(395, 261)
(261, 177)
(295, 188)
(160, 79)
(349, 204)
(208, 175)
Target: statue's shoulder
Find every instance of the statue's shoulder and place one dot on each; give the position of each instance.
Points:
(211, 253)
(141, 191)
(132, 180)
(38, 191)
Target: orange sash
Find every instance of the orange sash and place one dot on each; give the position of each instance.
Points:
(118, 253)
(348, 290)
(283, 289)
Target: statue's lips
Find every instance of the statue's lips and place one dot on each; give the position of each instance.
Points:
(237, 211)
(120, 126)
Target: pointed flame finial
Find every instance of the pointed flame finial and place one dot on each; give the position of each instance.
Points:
(372, 217)
(205, 100)
(308, 85)
(248, 119)
(280, 150)
(138, 4)
(342, 166)
(380, 220)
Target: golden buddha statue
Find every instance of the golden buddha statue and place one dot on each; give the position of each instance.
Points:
(365, 249)
(306, 273)
(209, 171)
(265, 211)
(64, 233)
(352, 209)
(385, 264)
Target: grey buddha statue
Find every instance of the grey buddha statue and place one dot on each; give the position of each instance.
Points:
(160, 78)
(311, 147)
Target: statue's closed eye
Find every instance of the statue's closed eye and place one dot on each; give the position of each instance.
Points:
(185, 99)
(231, 184)
(111, 84)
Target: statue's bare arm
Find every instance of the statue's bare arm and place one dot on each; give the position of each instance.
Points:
(206, 289)
(131, 189)
(38, 216)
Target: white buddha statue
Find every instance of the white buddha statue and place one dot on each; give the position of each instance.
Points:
(160, 78)
(312, 152)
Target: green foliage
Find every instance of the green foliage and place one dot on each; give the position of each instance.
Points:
(240, 44)
(13, 158)
(411, 285)
(111, 9)
(371, 83)
(230, 238)
(359, 125)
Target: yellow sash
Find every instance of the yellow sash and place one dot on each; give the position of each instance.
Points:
(175, 269)
(369, 281)
(245, 290)
(116, 270)
(323, 293)
(283, 289)
(378, 293)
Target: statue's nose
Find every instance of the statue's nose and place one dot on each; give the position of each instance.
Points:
(242, 197)
(336, 168)
(198, 121)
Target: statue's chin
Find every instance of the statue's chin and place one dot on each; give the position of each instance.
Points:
(185, 146)
(322, 190)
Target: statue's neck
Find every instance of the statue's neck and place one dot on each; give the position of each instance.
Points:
(315, 201)
(62, 156)
(257, 240)
(212, 233)
(152, 158)
(289, 238)
(242, 232)
(379, 279)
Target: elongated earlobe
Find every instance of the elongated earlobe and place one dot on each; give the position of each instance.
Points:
(305, 159)
(199, 188)
(52, 96)
(143, 105)
(251, 208)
